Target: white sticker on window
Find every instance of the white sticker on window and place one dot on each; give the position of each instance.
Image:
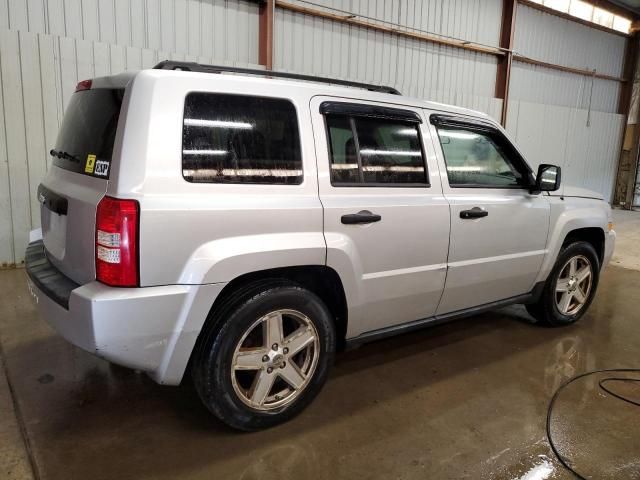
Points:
(102, 168)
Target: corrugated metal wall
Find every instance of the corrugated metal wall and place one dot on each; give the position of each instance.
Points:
(222, 29)
(552, 39)
(548, 108)
(47, 46)
(565, 118)
(533, 83)
(559, 135)
(323, 47)
(561, 41)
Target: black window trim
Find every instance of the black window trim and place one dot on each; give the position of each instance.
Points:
(302, 175)
(351, 115)
(367, 110)
(485, 127)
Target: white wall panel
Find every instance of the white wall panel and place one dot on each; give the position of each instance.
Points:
(6, 212)
(15, 141)
(473, 20)
(183, 26)
(322, 47)
(586, 145)
(553, 39)
(549, 38)
(46, 46)
(537, 84)
(38, 74)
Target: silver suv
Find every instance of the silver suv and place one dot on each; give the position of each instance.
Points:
(213, 221)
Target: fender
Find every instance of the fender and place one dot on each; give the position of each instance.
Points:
(567, 215)
(224, 259)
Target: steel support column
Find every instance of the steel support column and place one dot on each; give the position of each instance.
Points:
(503, 75)
(628, 160)
(265, 34)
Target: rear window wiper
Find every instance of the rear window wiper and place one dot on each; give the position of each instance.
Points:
(64, 155)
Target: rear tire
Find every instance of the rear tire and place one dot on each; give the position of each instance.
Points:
(265, 356)
(570, 287)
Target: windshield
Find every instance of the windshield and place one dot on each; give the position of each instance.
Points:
(86, 137)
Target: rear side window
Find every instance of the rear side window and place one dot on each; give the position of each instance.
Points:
(367, 151)
(240, 139)
(88, 131)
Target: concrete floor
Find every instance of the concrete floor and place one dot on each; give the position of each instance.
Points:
(464, 400)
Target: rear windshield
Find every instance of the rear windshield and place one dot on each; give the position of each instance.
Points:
(85, 140)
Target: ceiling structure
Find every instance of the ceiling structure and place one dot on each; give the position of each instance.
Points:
(631, 5)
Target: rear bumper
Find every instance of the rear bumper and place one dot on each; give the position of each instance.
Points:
(46, 277)
(152, 329)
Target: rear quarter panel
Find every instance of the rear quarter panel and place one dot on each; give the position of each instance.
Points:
(195, 233)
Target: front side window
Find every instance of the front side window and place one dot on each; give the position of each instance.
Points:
(475, 158)
(374, 151)
(240, 139)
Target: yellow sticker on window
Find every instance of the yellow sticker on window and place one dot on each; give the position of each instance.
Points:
(91, 161)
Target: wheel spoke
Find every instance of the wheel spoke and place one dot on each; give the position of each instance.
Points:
(579, 295)
(249, 359)
(573, 266)
(273, 332)
(261, 387)
(583, 273)
(298, 340)
(292, 375)
(565, 301)
(562, 285)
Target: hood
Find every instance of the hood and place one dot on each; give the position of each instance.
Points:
(571, 191)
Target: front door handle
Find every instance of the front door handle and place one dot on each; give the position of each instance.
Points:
(363, 216)
(475, 212)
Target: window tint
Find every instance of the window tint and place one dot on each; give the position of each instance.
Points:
(374, 151)
(344, 160)
(240, 139)
(86, 137)
(473, 158)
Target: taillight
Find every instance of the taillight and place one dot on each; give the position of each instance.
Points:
(83, 85)
(117, 242)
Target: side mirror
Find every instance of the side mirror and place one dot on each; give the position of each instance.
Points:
(548, 178)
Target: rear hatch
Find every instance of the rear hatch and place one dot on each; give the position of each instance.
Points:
(78, 179)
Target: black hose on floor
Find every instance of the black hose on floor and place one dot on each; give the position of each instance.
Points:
(601, 384)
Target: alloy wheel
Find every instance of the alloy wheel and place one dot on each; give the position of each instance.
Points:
(275, 360)
(574, 285)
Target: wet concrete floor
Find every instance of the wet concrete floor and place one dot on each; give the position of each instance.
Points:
(463, 400)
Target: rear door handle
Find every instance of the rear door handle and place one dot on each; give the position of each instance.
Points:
(363, 216)
(475, 212)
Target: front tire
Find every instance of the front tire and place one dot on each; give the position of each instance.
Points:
(570, 288)
(266, 355)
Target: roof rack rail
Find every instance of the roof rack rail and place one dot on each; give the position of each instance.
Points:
(198, 67)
